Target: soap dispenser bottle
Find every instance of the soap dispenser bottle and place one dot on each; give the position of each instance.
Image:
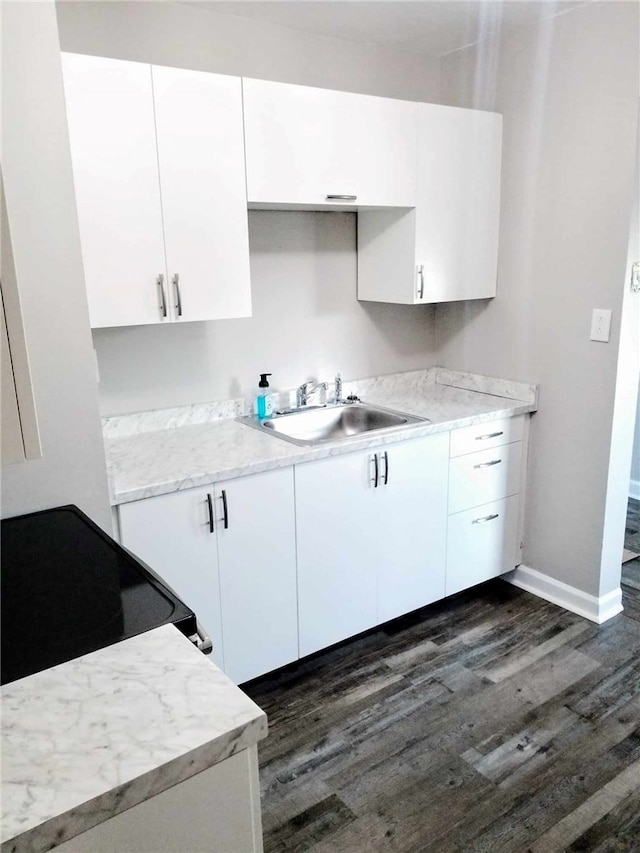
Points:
(264, 400)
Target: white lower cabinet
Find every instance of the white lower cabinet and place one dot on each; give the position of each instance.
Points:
(229, 552)
(216, 810)
(486, 474)
(337, 553)
(371, 534)
(481, 543)
(282, 564)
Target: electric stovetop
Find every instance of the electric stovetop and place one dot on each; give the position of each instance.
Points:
(68, 589)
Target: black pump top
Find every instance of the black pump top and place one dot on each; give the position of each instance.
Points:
(263, 380)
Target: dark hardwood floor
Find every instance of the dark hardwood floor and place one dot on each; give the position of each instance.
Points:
(492, 721)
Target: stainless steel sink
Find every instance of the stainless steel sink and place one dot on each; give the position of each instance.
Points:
(320, 424)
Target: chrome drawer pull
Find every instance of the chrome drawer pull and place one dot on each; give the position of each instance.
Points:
(176, 284)
(488, 464)
(341, 197)
(420, 293)
(485, 518)
(163, 304)
(489, 435)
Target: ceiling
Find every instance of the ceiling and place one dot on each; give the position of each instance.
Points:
(427, 27)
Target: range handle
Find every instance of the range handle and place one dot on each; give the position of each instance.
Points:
(202, 640)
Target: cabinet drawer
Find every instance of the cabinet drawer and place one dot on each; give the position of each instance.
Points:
(477, 478)
(481, 543)
(486, 434)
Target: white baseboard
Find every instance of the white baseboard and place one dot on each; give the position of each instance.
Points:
(634, 489)
(590, 606)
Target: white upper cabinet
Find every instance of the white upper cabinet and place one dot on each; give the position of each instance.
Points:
(115, 167)
(204, 200)
(159, 173)
(308, 147)
(447, 248)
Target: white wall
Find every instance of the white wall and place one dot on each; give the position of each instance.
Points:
(46, 246)
(306, 320)
(569, 95)
(188, 36)
(634, 485)
(625, 406)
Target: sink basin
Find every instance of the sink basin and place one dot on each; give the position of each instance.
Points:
(320, 424)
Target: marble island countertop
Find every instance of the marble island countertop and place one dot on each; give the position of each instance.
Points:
(159, 452)
(85, 740)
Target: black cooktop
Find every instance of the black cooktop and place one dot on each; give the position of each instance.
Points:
(68, 589)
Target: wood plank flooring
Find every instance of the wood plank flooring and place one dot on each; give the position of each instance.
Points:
(492, 721)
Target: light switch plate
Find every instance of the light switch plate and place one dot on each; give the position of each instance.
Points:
(601, 324)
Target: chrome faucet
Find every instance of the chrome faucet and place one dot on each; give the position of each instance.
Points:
(306, 390)
(338, 397)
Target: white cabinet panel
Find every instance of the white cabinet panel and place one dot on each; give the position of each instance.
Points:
(368, 553)
(458, 217)
(481, 543)
(306, 144)
(447, 248)
(486, 434)
(489, 475)
(217, 810)
(171, 533)
(337, 546)
(115, 167)
(240, 577)
(412, 523)
(202, 175)
(158, 161)
(257, 558)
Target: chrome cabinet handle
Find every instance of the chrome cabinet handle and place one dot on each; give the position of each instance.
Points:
(421, 277)
(386, 468)
(176, 284)
(210, 508)
(489, 435)
(485, 518)
(488, 464)
(163, 302)
(341, 197)
(376, 470)
(225, 509)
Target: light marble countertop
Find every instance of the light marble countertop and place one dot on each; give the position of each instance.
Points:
(87, 739)
(184, 452)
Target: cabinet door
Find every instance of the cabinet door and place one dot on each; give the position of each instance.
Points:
(171, 533)
(304, 145)
(204, 201)
(115, 167)
(337, 546)
(481, 543)
(412, 525)
(458, 208)
(447, 248)
(257, 558)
